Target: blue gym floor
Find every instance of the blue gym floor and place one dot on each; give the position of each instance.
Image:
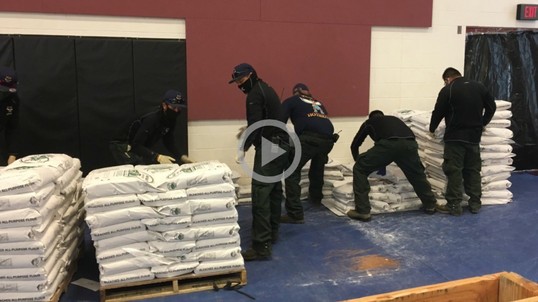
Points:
(332, 258)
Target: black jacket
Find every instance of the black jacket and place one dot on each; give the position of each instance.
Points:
(467, 107)
(9, 120)
(144, 132)
(263, 104)
(382, 127)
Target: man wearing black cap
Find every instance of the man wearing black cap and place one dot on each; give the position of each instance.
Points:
(315, 131)
(9, 116)
(395, 142)
(132, 146)
(262, 104)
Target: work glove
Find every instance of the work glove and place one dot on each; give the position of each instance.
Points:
(240, 157)
(241, 131)
(11, 159)
(165, 159)
(186, 160)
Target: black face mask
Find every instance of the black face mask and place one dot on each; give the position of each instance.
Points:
(170, 116)
(246, 87)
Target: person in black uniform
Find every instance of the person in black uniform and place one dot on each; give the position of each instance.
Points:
(395, 142)
(9, 116)
(262, 104)
(134, 141)
(467, 107)
(315, 131)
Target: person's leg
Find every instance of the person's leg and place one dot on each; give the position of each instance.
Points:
(261, 215)
(375, 158)
(452, 166)
(472, 181)
(294, 208)
(409, 162)
(320, 157)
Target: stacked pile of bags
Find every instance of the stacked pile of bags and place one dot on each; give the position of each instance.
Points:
(389, 192)
(160, 221)
(495, 147)
(392, 192)
(41, 225)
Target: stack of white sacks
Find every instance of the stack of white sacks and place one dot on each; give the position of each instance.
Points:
(161, 221)
(392, 192)
(496, 154)
(41, 225)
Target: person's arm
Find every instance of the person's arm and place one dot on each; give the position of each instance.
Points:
(142, 136)
(255, 113)
(170, 143)
(359, 139)
(287, 108)
(489, 107)
(441, 107)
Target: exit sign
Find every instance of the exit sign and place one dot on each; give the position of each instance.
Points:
(527, 12)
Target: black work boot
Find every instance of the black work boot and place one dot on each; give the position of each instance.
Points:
(358, 216)
(257, 252)
(289, 219)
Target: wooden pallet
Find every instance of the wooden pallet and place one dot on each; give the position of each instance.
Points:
(161, 287)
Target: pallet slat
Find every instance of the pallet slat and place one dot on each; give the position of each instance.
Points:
(161, 287)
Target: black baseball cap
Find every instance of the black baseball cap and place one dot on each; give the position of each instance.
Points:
(300, 86)
(174, 99)
(240, 71)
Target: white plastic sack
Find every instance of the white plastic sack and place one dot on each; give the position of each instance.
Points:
(168, 223)
(220, 266)
(222, 190)
(163, 198)
(110, 203)
(116, 181)
(127, 277)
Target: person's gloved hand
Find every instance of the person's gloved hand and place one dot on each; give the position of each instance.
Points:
(186, 160)
(165, 159)
(240, 157)
(240, 132)
(11, 159)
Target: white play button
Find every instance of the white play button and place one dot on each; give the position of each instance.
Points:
(270, 151)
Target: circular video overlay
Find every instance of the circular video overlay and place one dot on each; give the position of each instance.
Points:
(270, 151)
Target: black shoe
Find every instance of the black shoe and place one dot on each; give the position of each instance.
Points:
(358, 216)
(288, 219)
(446, 210)
(474, 210)
(429, 211)
(252, 255)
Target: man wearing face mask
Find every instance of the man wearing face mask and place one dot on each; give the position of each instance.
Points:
(9, 116)
(135, 140)
(262, 104)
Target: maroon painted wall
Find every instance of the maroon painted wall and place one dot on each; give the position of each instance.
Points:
(323, 43)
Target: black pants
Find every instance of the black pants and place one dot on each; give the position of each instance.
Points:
(404, 152)
(266, 200)
(315, 148)
(462, 164)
